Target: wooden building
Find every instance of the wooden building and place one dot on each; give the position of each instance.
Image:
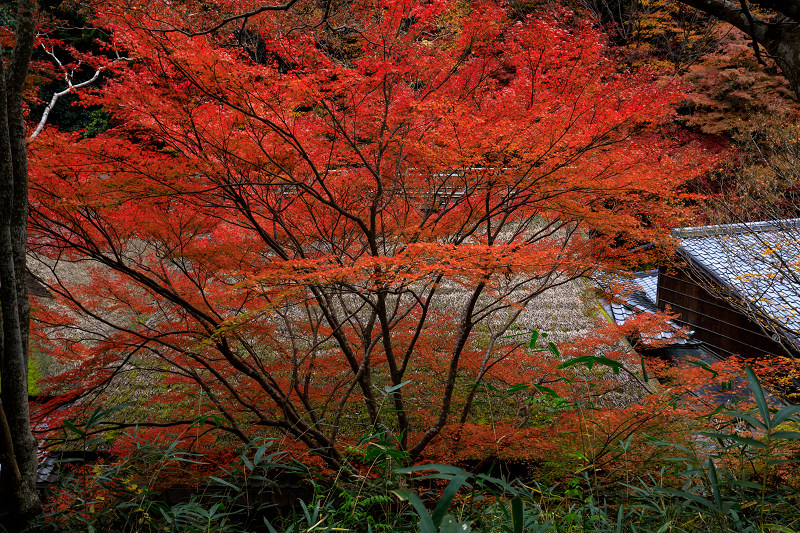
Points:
(737, 287)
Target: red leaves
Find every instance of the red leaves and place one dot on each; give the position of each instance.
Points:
(283, 231)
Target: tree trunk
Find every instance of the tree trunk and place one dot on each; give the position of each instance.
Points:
(786, 51)
(779, 34)
(18, 498)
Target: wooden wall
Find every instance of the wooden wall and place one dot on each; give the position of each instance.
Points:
(714, 321)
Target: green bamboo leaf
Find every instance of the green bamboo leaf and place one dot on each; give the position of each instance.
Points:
(260, 453)
(389, 390)
(546, 390)
(70, 426)
(517, 388)
(225, 483)
(311, 518)
(758, 394)
(590, 360)
(503, 484)
(783, 461)
(689, 496)
(792, 435)
(745, 484)
(736, 438)
(247, 462)
(778, 529)
(704, 366)
(449, 493)
(99, 414)
(270, 528)
(443, 469)
(534, 338)
(517, 514)
(553, 349)
(784, 414)
(615, 365)
(425, 520)
(712, 477)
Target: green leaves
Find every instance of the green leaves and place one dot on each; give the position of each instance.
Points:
(95, 419)
(432, 523)
(758, 394)
(426, 524)
(440, 521)
(733, 437)
(784, 414)
(517, 514)
(728, 478)
(705, 366)
(534, 337)
(591, 360)
(767, 421)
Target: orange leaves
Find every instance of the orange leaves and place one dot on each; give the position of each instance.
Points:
(282, 225)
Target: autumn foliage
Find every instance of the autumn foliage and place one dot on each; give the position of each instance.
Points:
(323, 225)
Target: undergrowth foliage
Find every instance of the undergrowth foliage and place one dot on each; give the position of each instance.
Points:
(730, 468)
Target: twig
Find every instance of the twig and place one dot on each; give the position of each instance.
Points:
(70, 87)
(752, 22)
(56, 96)
(245, 15)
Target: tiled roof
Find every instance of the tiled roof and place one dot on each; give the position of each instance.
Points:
(760, 261)
(640, 297)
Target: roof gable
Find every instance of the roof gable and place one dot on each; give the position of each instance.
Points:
(758, 262)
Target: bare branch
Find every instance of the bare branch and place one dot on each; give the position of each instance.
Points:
(241, 16)
(68, 77)
(752, 22)
(70, 88)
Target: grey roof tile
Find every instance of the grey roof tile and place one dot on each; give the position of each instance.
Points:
(760, 261)
(640, 297)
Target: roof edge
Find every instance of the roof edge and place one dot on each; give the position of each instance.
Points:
(736, 229)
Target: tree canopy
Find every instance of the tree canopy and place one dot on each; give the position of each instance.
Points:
(326, 223)
(280, 222)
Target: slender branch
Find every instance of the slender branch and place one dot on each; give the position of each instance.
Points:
(241, 16)
(56, 96)
(751, 21)
(68, 74)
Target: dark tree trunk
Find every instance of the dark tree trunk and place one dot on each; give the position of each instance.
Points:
(19, 501)
(778, 33)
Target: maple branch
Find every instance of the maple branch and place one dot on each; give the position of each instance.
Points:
(102, 427)
(263, 9)
(464, 330)
(68, 74)
(751, 21)
(56, 96)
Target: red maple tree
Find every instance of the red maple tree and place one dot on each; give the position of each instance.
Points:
(328, 229)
